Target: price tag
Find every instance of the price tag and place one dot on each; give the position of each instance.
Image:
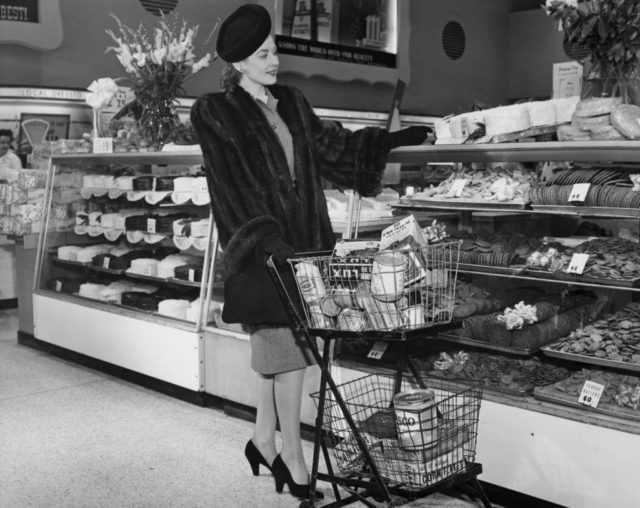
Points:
(579, 192)
(378, 350)
(151, 226)
(457, 187)
(192, 275)
(153, 184)
(591, 393)
(577, 263)
(58, 286)
(409, 191)
(102, 145)
(105, 263)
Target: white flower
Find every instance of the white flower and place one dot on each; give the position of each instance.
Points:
(158, 55)
(176, 52)
(102, 91)
(203, 62)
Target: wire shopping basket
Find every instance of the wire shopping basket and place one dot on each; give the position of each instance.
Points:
(417, 437)
(403, 289)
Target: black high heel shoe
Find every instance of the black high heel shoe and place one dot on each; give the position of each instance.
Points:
(282, 475)
(255, 458)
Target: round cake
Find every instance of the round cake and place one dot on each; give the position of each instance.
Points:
(144, 266)
(174, 308)
(69, 252)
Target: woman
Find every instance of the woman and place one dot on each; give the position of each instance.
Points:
(265, 152)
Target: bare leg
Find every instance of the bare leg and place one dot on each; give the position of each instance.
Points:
(288, 397)
(264, 432)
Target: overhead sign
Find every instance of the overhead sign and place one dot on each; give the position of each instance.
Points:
(33, 23)
(20, 11)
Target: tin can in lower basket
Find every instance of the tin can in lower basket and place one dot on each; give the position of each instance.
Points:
(416, 419)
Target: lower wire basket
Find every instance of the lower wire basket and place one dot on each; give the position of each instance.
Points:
(417, 437)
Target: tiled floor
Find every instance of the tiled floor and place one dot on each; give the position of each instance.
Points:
(74, 437)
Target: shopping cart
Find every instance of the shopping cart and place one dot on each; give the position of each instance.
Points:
(392, 438)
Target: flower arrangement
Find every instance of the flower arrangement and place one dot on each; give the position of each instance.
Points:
(157, 63)
(607, 29)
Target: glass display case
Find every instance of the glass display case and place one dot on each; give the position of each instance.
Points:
(124, 261)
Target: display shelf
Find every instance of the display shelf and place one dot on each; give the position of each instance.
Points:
(456, 339)
(576, 151)
(160, 158)
(466, 203)
(546, 394)
(591, 360)
(124, 273)
(589, 211)
(126, 335)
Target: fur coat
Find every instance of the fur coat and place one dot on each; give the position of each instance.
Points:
(252, 194)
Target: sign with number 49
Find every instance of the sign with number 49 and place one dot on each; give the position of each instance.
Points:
(591, 393)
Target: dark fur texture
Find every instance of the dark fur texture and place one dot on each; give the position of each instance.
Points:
(252, 194)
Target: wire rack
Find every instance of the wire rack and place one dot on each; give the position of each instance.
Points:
(413, 445)
(406, 289)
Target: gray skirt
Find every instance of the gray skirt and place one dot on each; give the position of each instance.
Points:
(277, 349)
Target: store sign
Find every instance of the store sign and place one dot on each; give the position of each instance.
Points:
(33, 23)
(21, 11)
(340, 31)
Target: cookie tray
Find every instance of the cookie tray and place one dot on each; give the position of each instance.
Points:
(496, 270)
(592, 360)
(605, 211)
(544, 394)
(582, 279)
(457, 203)
(450, 337)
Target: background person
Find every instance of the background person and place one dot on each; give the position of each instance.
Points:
(8, 159)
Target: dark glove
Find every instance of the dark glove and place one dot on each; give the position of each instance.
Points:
(415, 135)
(280, 250)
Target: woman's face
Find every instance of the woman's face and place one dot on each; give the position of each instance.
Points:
(262, 66)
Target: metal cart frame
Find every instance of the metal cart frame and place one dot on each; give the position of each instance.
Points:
(360, 489)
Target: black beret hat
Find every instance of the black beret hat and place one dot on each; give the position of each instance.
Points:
(243, 32)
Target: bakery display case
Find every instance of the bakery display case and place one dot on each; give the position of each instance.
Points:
(564, 275)
(124, 262)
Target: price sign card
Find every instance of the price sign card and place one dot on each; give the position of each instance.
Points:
(102, 145)
(457, 187)
(579, 192)
(591, 393)
(378, 350)
(577, 263)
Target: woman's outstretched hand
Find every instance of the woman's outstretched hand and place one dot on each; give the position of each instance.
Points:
(414, 135)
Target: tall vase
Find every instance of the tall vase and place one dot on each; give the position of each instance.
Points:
(157, 118)
(606, 80)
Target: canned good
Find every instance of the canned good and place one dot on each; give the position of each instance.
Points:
(416, 419)
(413, 316)
(344, 297)
(351, 320)
(310, 281)
(329, 306)
(382, 315)
(388, 275)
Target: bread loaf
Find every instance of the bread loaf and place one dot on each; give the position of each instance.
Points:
(626, 119)
(596, 106)
(606, 133)
(569, 133)
(588, 123)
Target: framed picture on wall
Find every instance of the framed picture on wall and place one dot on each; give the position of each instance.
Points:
(58, 129)
(345, 40)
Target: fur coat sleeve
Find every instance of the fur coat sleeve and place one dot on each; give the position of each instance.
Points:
(252, 193)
